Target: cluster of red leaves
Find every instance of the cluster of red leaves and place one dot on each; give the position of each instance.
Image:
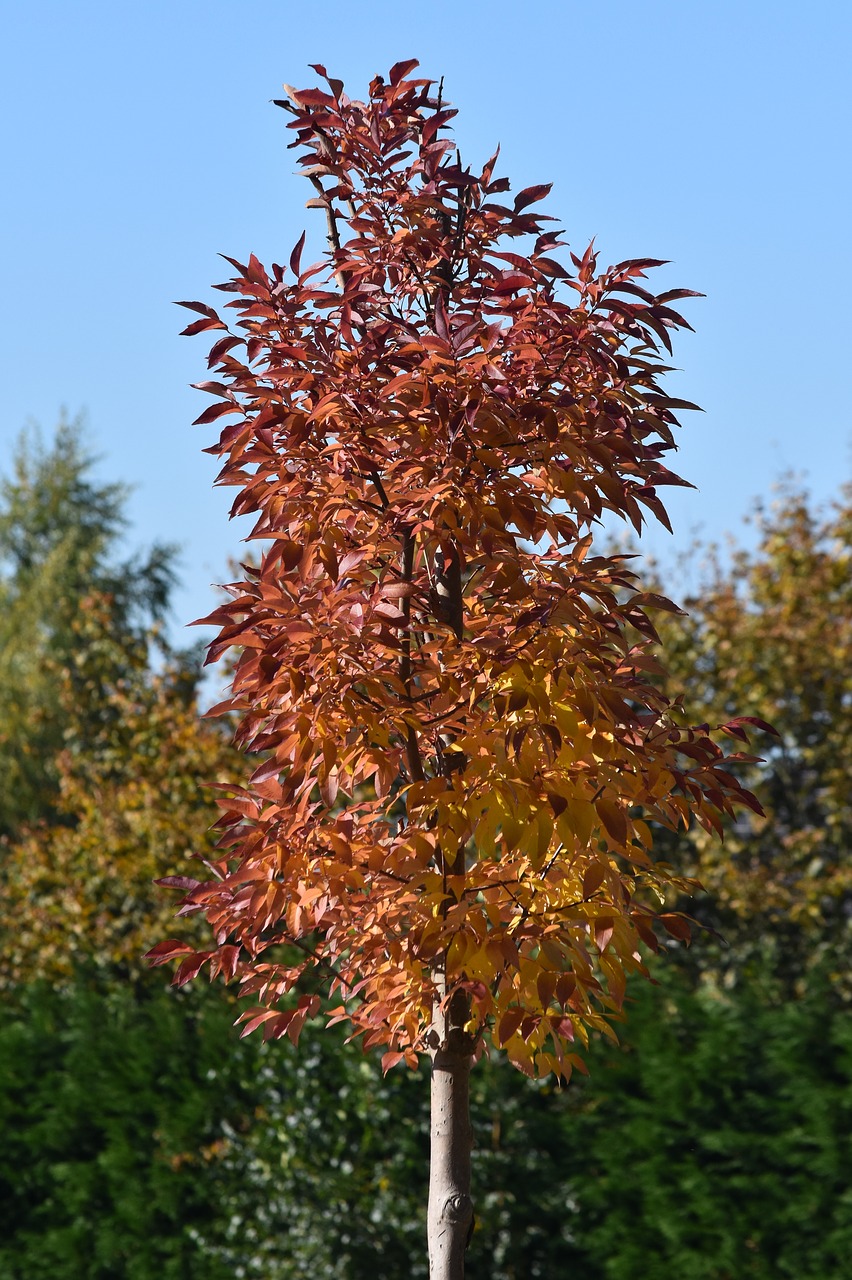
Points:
(461, 734)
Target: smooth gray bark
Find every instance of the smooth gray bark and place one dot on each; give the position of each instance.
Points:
(450, 1216)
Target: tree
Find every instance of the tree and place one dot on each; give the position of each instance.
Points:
(462, 744)
(100, 743)
(74, 619)
(106, 1168)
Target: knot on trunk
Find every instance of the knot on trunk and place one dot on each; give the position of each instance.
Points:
(457, 1209)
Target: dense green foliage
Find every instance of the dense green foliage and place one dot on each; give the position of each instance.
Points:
(115, 1107)
(732, 1117)
(143, 1140)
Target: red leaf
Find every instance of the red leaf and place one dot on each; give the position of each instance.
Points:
(310, 97)
(201, 307)
(199, 327)
(336, 85)
(753, 720)
(167, 950)
(189, 968)
(329, 787)
(511, 283)
(397, 590)
(651, 600)
(221, 348)
(557, 803)
(550, 267)
(441, 326)
(509, 1023)
(269, 769)
(677, 926)
(400, 70)
(252, 1018)
(296, 255)
(255, 271)
(603, 933)
(546, 986)
(215, 411)
(531, 194)
(613, 818)
(593, 878)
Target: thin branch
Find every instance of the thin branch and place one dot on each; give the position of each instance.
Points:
(413, 758)
(331, 221)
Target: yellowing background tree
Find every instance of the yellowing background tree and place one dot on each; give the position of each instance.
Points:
(772, 630)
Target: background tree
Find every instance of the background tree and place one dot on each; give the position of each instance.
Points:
(772, 630)
(428, 430)
(75, 619)
(118, 1108)
(107, 1167)
(79, 890)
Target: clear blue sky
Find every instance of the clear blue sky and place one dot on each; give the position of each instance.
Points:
(138, 141)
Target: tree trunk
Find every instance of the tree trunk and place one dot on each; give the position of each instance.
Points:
(450, 1217)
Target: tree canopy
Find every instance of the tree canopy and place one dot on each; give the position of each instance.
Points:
(101, 746)
(462, 743)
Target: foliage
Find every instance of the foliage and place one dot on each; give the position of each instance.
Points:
(331, 1177)
(117, 1108)
(773, 631)
(74, 620)
(727, 1103)
(142, 1140)
(712, 1144)
(80, 891)
(732, 1116)
(113, 795)
(462, 743)
(115, 1104)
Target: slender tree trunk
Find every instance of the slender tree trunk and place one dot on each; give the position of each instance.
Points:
(450, 1218)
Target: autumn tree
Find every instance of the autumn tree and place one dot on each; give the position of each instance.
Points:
(446, 840)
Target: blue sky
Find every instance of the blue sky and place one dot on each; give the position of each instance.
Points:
(139, 141)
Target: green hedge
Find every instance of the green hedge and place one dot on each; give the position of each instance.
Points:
(143, 1141)
(115, 1107)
